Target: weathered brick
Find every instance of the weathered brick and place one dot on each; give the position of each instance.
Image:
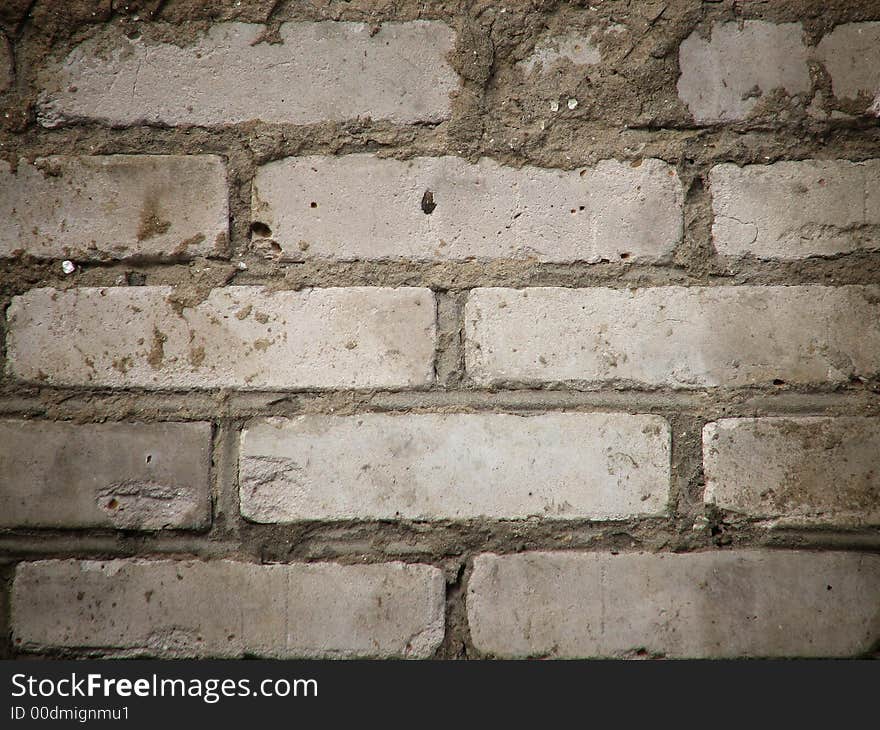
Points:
(133, 476)
(114, 207)
(723, 78)
(791, 210)
(796, 471)
(236, 337)
(454, 466)
(444, 208)
(320, 71)
(227, 609)
(571, 46)
(714, 604)
(681, 337)
(851, 55)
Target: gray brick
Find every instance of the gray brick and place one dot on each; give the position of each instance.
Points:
(795, 471)
(227, 609)
(454, 466)
(746, 603)
(133, 476)
(114, 207)
(851, 55)
(237, 337)
(363, 207)
(680, 337)
(723, 78)
(319, 72)
(791, 210)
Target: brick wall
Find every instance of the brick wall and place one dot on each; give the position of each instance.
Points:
(365, 329)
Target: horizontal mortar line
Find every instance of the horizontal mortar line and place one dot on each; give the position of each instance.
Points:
(221, 405)
(857, 267)
(469, 540)
(240, 132)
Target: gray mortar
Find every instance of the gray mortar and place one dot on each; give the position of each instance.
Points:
(626, 115)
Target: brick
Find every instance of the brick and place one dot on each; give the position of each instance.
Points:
(723, 78)
(746, 603)
(326, 71)
(576, 48)
(7, 67)
(363, 207)
(679, 337)
(227, 609)
(791, 210)
(237, 337)
(795, 471)
(454, 466)
(132, 476)
(851, 55)
(114, 207)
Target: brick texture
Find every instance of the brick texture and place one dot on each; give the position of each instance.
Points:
(673, 336)
(226, 609)
(790, 210)
(443, 208)
(433, 466)
(132, 476)
(114, 207)
(851, 55)
(320, 71)
(236, 337)
(795, 471)
(724, 77)
(715, 604)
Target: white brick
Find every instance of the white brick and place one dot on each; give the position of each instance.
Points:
(790, 210)
(114, 207)
(227, 609)
(715, 604)
(320, 71)
(576, 48)
(238, 337)
(363, 207)
(851, 54)
(795, 471)
(681, 337)
(723, 78)
(454, 466)
(133, 476)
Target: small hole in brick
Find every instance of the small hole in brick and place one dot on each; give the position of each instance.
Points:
(275, 246)
(624, 255)
(827, 588)
(428, 204)
(313, 204)
(149, 458)
(260, 229)
(112, 504)
(777, 381)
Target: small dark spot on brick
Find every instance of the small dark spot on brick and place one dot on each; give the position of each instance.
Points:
(313, 204)
(428, 204)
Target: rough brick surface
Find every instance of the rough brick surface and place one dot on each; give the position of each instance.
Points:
(790, 210)
(114, 207)
(673, 336)
(237, 337)
(320, 71)
(444, 208)
(715, 604)
(851, 55)
(454, 466)
(133, 476)
(796, 471)
(724, 77)
(226, 609)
